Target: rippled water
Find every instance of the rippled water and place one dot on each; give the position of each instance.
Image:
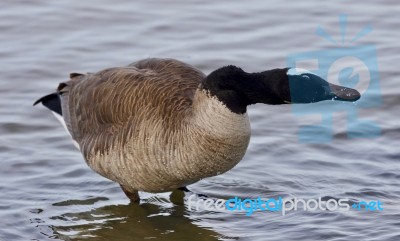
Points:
(48, 192)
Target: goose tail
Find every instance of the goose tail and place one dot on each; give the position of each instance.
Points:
(52, 102)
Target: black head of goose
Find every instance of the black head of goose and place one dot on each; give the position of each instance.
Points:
(160, 124)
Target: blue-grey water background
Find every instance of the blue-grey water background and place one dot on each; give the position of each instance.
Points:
(48, 193)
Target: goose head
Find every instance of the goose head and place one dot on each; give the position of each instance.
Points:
(237, 89)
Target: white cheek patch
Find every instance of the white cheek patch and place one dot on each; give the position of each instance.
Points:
(298, 71)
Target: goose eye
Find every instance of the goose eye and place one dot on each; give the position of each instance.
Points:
(306, 76)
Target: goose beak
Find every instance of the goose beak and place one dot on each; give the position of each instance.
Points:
(342, 93)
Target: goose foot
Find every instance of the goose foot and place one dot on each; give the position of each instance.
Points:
(133, 195)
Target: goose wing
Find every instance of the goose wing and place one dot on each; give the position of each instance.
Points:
(104, 107)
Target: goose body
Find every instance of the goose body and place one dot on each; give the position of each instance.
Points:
(160, 124)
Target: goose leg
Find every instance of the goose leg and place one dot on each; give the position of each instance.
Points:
(177, 196)
(133, 195)
(185, 189)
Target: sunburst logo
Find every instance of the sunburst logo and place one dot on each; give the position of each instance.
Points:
(346, 63)
(343, 24)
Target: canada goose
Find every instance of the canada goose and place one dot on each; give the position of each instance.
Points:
(160, 124)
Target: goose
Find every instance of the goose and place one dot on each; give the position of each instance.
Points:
(158, 125)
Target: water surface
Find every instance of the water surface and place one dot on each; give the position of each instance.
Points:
(48, 192)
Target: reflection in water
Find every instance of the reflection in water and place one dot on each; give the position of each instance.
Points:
(158, 219)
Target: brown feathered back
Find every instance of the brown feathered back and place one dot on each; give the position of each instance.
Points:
(96, 105)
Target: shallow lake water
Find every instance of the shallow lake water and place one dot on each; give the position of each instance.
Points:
(47, 192)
